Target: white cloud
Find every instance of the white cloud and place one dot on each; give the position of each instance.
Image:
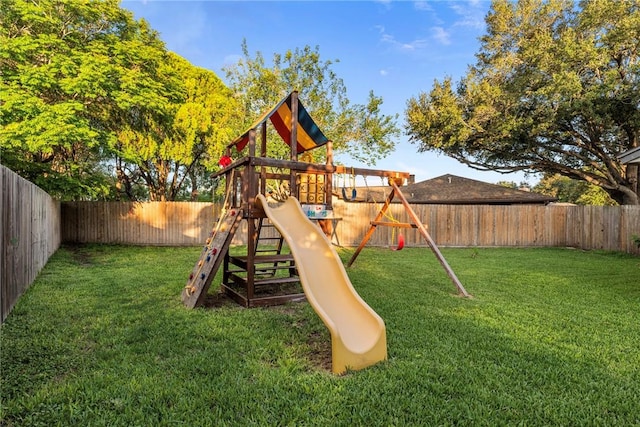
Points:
(441, 35)
(401, 46)
(419, 171)
(422, 5)
(471, 14)
(466, 14)
(384, 72)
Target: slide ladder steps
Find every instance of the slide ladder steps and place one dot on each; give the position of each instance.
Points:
(242, 281)
(264, 236)
(268, 249)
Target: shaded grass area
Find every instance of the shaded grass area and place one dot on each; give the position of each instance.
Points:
(551, 337)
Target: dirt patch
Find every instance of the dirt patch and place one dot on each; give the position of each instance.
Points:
(290, 308)
(81, 256)
(320, 355)
(217, 300)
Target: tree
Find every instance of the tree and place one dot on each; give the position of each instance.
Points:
(207, 120)
(556, 89)
(164, 145)
(507, 184)
(359, 129)
(71, 71)
(93, 102)
(55, 75)
(572, 191)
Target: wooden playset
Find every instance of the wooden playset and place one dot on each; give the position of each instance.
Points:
(266, 273)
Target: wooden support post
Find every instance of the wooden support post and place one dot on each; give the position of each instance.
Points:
(249, 182)
(252, 143)
(328, 177)
(263, 139)
(263, 153)
(251, 253)
(293, 188)
(430, 241)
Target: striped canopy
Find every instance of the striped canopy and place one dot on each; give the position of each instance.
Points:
(309, 134)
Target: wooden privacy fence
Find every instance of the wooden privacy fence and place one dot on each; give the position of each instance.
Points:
(136, 223)
(178, 223)
(30, 235)
(585, 227)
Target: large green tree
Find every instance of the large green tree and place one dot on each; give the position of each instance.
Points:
(163, 147)
(91, 102)
(556, 89)
(71, 71)
(55, 79)
(362, 130)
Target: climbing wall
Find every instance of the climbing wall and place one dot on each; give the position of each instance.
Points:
(211, 257)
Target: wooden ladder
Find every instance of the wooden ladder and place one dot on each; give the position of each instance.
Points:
(269, 244)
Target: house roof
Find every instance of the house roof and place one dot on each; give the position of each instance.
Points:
(630, 156)
(450, 189)
(309, 135)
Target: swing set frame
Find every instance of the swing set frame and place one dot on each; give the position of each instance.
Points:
(395, 182)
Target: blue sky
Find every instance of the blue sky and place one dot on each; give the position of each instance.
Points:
(395, 48)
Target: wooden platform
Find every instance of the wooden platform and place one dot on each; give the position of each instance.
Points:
(261, 280)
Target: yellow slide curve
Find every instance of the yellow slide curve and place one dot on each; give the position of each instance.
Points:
(358, 334)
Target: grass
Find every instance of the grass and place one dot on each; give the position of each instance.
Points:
(551, 337)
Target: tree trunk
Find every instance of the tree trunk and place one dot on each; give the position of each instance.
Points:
(194, 186)
(632, 178)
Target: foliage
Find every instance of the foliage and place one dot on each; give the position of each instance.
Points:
(91, 95)
(507, 184)
(636, 240)
(101, 338)
(359, 129)
(55, 79)
(569, 190)
(555, 90)
(175, 143)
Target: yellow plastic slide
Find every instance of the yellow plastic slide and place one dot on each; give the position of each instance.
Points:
(358, 334)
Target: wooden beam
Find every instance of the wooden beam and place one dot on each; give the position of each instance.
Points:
(430, 241)
(394, 224)
(295, 165)
(371, 172)
(293, 189)
(263, 153)
(310, 168)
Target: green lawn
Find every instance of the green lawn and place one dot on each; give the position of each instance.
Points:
(551, 337)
